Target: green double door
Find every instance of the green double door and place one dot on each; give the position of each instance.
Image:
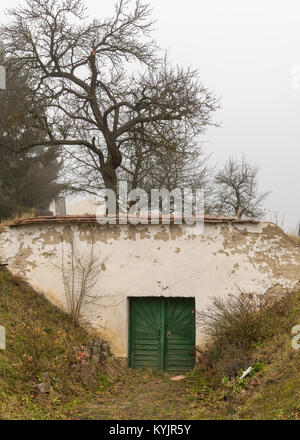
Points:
(162, 333)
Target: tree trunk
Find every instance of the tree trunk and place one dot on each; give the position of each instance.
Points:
(109, 176)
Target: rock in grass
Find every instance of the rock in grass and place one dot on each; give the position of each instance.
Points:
(43, 387)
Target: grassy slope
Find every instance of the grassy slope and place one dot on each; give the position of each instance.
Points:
(272, 393)
(40, 338)
(276, 392)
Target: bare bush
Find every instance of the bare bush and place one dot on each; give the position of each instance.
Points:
(235, 319)
(235, 325)
(81, 269)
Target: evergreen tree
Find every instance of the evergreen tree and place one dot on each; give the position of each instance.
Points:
(28, 180)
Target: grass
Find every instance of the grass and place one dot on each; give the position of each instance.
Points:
(40, 339)
(273, 389)
(141, 394)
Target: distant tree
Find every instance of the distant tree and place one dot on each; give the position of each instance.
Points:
(28, 180)
(96, 101)
(236, 190)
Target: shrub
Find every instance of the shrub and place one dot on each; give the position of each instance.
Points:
(235, 325)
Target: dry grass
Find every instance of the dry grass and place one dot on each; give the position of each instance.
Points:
(41, 338)
(271, 391)
(141, 395)
(5, 223)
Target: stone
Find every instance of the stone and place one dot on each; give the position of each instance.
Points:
(43, 387)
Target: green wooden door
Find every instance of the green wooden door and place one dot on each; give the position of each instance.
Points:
(180, 333)
(145, 333)
(162, 333)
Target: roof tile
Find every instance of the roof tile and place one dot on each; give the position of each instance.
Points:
(93, 219)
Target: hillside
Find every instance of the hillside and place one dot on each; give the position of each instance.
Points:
(43, 346)
(272, 390)
(272, 394)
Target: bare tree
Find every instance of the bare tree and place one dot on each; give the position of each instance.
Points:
(81, 269)
(144, 167)
(236, 189)
(83, 78)
(179, 164)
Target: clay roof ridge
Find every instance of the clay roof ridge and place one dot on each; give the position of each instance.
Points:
(93, 218)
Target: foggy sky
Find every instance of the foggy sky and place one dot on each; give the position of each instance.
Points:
(249, 54)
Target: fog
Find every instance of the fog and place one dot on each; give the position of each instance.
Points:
(249, 54)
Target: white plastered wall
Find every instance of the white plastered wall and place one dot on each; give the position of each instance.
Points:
(153, 260)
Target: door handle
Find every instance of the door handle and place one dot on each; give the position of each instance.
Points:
(169, 334)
